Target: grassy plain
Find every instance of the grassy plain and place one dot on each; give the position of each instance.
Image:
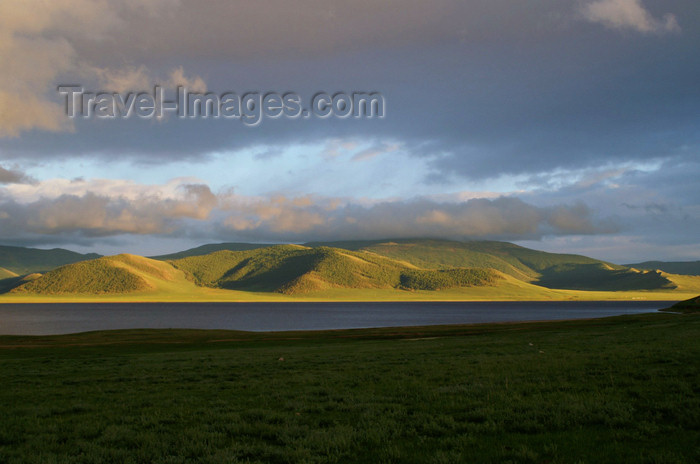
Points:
(623, 389)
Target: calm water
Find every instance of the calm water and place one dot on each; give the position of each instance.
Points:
(43, 319)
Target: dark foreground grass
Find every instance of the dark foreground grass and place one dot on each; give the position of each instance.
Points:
(618, 390)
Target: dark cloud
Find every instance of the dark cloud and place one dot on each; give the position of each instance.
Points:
(480, 88)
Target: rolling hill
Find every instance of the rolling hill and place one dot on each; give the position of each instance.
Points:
(20, 260)
(392, 269)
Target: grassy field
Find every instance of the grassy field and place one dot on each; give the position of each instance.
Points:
(623, 389)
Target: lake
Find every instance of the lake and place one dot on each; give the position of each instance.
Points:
(62, 318)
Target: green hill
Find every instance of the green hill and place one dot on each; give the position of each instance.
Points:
(210, 248)
(295, 269)
(20, 260)
(672, 267)
(103, 275)
(120, 274)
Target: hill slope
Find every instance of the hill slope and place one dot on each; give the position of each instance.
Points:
(20, 260)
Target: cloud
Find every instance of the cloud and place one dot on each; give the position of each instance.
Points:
(628, 14)
(185, 208)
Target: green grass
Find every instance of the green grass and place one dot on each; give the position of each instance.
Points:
(615, 390)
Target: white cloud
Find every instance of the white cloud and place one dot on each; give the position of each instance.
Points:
(628, 14)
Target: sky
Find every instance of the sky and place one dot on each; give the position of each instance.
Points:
(562, 125)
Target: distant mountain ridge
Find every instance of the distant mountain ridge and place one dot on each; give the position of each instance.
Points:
(21, 260)
(211, 248)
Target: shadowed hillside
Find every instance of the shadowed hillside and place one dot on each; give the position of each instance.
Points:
(601, 277)
(672, 267)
